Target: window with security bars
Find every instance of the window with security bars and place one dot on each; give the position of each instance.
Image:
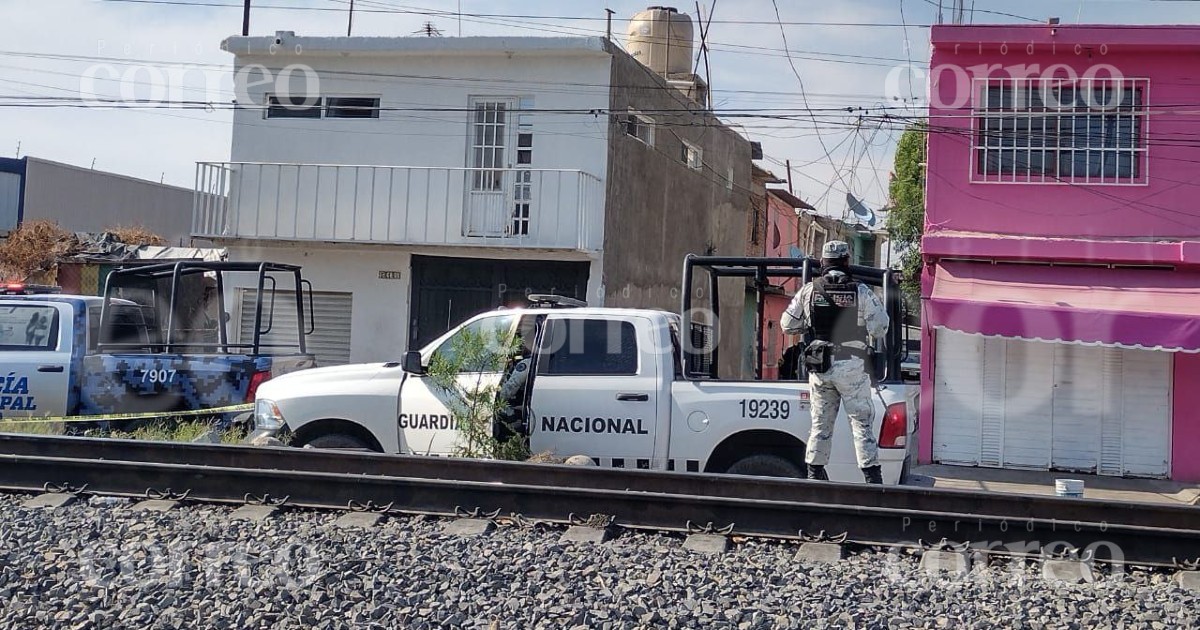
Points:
(640, 127)
(522, 198)
(1060, 131)
(488, 140)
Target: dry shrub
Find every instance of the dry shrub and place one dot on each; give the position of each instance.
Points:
(136, 235)
(545, 457)
(33, 247)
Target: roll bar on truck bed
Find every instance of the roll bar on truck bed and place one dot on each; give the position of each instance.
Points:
(759, 270)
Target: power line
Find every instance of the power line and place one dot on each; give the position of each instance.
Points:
(447, 13)
(549, 86)
(800, 80)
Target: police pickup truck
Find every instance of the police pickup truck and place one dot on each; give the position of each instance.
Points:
(614, 384)
(155, 343)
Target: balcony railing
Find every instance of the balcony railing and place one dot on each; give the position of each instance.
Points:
(514, 207)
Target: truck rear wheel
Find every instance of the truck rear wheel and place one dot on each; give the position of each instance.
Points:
(338, 440)
(765, 465)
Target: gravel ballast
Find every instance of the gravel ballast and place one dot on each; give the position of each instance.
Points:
(99, 564)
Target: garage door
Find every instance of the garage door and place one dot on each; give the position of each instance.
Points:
(330, 342)
(1027, 404)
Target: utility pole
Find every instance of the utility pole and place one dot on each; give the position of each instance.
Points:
(350, 20)
(788, 164)
(246, 19)
(959, 10)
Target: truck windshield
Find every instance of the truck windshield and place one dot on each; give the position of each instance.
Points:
(491, 332)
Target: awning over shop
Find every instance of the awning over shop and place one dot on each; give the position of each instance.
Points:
(1128, 308)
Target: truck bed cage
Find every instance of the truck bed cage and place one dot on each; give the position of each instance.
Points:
(132, 276)
(759, 270)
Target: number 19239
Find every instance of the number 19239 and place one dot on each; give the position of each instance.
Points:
(766, 409)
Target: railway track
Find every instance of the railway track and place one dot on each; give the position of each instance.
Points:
(1141, 534)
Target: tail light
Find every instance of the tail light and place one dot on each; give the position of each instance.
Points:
(894, 433)
(255, 381)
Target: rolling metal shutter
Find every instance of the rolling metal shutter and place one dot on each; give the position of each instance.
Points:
(1026, 404)
(330, 342)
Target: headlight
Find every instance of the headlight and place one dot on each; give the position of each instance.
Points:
(267, 415)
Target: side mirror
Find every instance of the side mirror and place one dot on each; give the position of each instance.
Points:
(411, 363)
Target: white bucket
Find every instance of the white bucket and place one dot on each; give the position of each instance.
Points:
(1069, 488)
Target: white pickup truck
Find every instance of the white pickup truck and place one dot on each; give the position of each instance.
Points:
(612, 384)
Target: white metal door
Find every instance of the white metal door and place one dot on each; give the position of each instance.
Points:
(956, 395)
(1145, 386)
(490, 180)
(1028, 402)
(36, 338)
(1078, 395)
(426, 423)
(1025, 404)
(329, 343)
(595, 392)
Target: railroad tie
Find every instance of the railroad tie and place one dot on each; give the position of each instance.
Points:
(51, 500)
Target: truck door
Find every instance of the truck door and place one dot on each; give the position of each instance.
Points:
(36, 339)
(425, 424)
(595, 390)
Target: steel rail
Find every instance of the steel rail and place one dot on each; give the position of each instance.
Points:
(548, 498)
(969, 504)
(652, 510)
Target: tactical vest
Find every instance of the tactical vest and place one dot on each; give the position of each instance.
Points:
(835, 312)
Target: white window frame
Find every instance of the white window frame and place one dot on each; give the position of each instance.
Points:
(318, 105)
(643, 122)
(485, 178)
(1052, 117)
(375, 110)
(693, 156)
(322, 106)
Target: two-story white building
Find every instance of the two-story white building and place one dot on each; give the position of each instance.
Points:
(422, 180)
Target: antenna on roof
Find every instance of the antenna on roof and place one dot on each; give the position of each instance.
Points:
(703, 52)
(350, 19)
(429, 30)
(246, 19)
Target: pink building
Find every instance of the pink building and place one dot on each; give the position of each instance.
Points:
(786, 234)
(1062, 249)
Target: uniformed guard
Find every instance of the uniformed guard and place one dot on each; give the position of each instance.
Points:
(843, 316)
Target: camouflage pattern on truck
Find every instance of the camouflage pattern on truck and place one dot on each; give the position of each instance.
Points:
(140, 383)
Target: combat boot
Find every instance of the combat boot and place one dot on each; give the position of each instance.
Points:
(873, 474)
(817, 473)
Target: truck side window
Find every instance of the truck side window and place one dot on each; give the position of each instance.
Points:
(126, 328)
(587, 347)
(492, 329)
(28, 328)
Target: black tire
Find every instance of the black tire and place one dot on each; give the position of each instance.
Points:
(339, 440)
(765, 465)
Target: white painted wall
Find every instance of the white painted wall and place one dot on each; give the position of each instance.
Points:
(10, 200)
(407, 138)
(571, 79)
(380, 308)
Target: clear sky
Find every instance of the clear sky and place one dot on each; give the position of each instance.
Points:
(842, 52)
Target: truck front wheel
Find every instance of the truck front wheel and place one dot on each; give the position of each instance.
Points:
(765, 465)
(340, 441)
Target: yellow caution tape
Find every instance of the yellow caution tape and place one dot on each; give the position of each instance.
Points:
(130, 416)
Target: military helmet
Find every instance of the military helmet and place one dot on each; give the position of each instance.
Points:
(835, 249)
